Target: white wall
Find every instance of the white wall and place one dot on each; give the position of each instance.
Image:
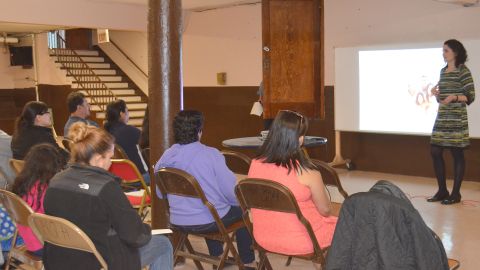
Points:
(229, 39)
(12, 77)
(49, 72)
(76, 13)
(225, 40)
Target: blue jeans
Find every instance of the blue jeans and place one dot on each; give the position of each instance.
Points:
(146, 178)
(215, 248)
(158, 253)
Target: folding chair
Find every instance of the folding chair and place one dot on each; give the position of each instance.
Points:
(66, 143)
(238, 163)
(330, 176)
(132, 179)
(272, 196)
(63, 233)
(17, 165)
(177, 182)
(19, 257)
(119, 153)
(453, 264)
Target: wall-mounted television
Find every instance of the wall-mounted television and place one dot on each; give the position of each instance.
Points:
(21, 56)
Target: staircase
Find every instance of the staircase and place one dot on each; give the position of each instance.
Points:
(102, 73)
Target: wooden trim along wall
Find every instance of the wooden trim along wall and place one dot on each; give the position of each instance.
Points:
(227, 115)
(227, 110)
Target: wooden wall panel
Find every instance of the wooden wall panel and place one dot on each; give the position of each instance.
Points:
(11, 105)
(56, 97)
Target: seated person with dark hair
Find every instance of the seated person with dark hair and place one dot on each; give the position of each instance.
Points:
(79, 111)
(125, 135)
(34, 126)
(208, 166)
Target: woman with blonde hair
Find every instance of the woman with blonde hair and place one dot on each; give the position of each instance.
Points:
(90, 197)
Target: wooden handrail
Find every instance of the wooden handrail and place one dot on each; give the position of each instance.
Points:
(65, 60)
(128, 57)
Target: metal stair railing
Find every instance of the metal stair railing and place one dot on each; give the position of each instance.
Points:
(83, 74)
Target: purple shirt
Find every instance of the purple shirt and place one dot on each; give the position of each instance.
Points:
(208, 166)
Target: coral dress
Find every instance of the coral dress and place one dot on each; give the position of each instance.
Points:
(283, 232)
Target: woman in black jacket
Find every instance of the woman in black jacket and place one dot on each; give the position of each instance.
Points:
(90, 197)
(34, 126)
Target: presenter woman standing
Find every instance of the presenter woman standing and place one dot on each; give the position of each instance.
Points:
(454, 92)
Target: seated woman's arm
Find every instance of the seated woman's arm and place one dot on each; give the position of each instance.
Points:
(126, 221)
(313, 180)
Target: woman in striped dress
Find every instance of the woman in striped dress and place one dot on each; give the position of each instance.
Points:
(454, 92)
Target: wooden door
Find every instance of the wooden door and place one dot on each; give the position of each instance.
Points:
(78, 39)
(293, 73)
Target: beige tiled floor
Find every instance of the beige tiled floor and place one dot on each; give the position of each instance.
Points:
(458, 225)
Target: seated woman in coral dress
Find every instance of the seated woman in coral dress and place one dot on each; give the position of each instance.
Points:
(282, 160)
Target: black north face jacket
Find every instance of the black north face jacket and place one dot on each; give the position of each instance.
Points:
(381, 229)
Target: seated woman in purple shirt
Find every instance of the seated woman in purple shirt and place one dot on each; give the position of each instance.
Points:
(208, 166)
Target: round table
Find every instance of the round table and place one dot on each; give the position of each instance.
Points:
(256, 142)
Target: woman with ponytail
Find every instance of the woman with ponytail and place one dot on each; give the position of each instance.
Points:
(89, 196)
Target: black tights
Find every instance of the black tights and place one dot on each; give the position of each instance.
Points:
(439, 166)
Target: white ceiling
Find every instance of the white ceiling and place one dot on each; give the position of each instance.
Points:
(194, 5)
(191, 4)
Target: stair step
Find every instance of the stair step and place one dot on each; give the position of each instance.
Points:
(98, 71)
(103, 78)
(117, 92)
(135, 121)
(105, 71)
(127, 99)
(79, 52)
(108, 84)
(87, 59)
(132, 114)
(131, 106)
(93, 65)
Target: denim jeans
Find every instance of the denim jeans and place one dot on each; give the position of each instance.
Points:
(215, 248)
(158, 253)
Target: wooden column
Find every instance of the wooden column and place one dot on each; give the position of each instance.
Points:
(165, 85)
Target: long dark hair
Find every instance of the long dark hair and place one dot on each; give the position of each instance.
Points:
(282, 146)
(29, 113)
(114, 109)
(42, 162)
(459, 50)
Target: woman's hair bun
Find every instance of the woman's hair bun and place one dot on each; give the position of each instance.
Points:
(78, 131)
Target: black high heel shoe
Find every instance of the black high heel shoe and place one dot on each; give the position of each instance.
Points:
(452, 199)
(438, 197)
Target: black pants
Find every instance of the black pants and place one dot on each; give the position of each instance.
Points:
(439, 167)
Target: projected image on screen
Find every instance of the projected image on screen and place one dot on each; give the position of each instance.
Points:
(395, 89)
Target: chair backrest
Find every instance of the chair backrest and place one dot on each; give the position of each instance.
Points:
(329, 176)
(270, 195)
(63, 233)
(119, 153)
(129, 172)
(17, 165)
(237, 162)
(146, 155)
(66, 143)
(178, 182)
(16, 207)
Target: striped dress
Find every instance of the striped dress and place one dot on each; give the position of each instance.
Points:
(451, 125)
